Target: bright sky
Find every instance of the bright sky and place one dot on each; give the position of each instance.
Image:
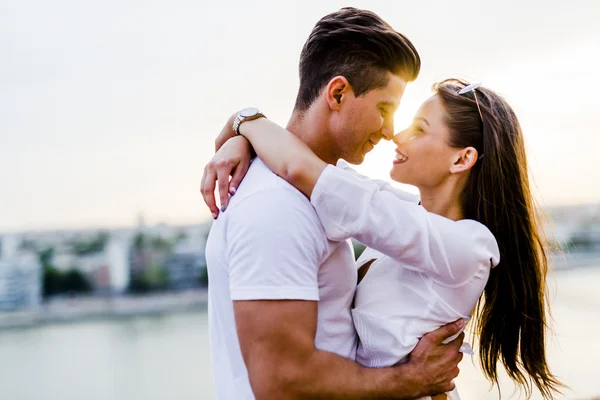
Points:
(109, 109)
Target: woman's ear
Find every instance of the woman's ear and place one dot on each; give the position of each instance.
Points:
(337, 90)
(464, 161)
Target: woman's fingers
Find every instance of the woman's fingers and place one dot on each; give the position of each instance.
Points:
(232, 160)
(238, 175)
(207, 188)
(224, 170)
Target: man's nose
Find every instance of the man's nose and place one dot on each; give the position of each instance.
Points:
(388, 130)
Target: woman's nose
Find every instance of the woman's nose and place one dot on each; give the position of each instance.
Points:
(400, 137)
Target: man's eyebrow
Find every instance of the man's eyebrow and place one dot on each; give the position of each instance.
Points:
(387, 104)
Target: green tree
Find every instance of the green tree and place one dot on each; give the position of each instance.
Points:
(139, 241)
(52, 281)
(46, 256)
(151, 278)
(57, 282)
(156, 276)
(92, 245)
(203, 278)
(158, 243)
(358, 248)
(74, 281)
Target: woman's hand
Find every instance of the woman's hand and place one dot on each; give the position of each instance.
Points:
(232, 159)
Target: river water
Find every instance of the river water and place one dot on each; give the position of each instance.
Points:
(167, 357)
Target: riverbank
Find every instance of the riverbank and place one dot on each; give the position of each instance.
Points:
(82, 309)
(88, 308)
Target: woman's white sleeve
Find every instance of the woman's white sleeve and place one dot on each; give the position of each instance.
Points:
(451, 252)
(381, 184)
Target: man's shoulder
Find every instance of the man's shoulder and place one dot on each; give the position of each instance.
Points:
(261, 182)
(266, 203)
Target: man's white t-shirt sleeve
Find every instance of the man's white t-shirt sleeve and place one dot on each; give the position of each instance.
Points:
(275, 244)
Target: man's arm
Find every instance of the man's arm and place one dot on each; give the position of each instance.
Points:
(277, 343)
(275, 244)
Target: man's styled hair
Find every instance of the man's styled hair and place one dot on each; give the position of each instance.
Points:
(358, 45)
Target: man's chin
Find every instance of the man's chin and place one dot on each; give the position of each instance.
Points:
(355, 159)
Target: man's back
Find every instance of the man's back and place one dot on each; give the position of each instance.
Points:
(269, 245)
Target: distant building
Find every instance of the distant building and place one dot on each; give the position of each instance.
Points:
(185, 265)
(95, 268)
(106, 270)
(117, 254)
(20, 282)
(9, 245)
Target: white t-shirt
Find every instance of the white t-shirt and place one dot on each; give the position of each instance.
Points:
(269, 244)
(433, 271)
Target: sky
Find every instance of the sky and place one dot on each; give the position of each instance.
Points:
(109, 110)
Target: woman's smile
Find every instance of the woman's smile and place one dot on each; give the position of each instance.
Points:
(400, 158)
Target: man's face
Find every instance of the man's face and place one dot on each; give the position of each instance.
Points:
(363, 121)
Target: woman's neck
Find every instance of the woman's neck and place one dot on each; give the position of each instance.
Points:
(444, 200)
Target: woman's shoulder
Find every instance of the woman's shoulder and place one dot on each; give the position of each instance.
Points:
(480, 239)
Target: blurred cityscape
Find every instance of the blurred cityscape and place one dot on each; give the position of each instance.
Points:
(138, 296)
(56, 275)
(71, 274)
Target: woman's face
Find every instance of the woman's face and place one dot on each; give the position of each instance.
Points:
(423, 155)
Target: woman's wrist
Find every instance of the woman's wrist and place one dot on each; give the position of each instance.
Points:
(248, 127)
(245, 142)
(226, 133)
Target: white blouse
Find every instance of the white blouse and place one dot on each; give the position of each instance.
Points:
(428, 270)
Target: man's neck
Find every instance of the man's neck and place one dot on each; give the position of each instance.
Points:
(310, 126)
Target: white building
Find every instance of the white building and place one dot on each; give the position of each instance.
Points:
(20, 282)
(185, 265)
(9, 245)
(117, 254)
(107, 270)
(187, 262)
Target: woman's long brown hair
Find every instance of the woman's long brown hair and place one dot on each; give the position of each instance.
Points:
(511, 315)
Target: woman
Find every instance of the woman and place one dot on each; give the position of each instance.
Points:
(474, 232)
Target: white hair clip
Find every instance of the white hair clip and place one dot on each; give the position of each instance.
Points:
(469, 88)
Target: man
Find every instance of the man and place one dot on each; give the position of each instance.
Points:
(280, 292)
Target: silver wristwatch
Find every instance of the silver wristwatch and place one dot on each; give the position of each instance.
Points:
(247, 114)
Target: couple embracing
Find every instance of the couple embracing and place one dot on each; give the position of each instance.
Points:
(292, 315)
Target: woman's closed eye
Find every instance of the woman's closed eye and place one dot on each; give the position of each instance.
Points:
(415, 131)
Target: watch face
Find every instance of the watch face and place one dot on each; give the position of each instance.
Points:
(249, 112)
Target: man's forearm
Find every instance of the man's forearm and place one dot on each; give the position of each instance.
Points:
(325, 375)
(331, 376)
(278, 347)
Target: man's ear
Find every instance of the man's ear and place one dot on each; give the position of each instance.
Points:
(337, 91)
(464, 161)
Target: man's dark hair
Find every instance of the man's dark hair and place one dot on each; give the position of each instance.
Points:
(358, 45)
